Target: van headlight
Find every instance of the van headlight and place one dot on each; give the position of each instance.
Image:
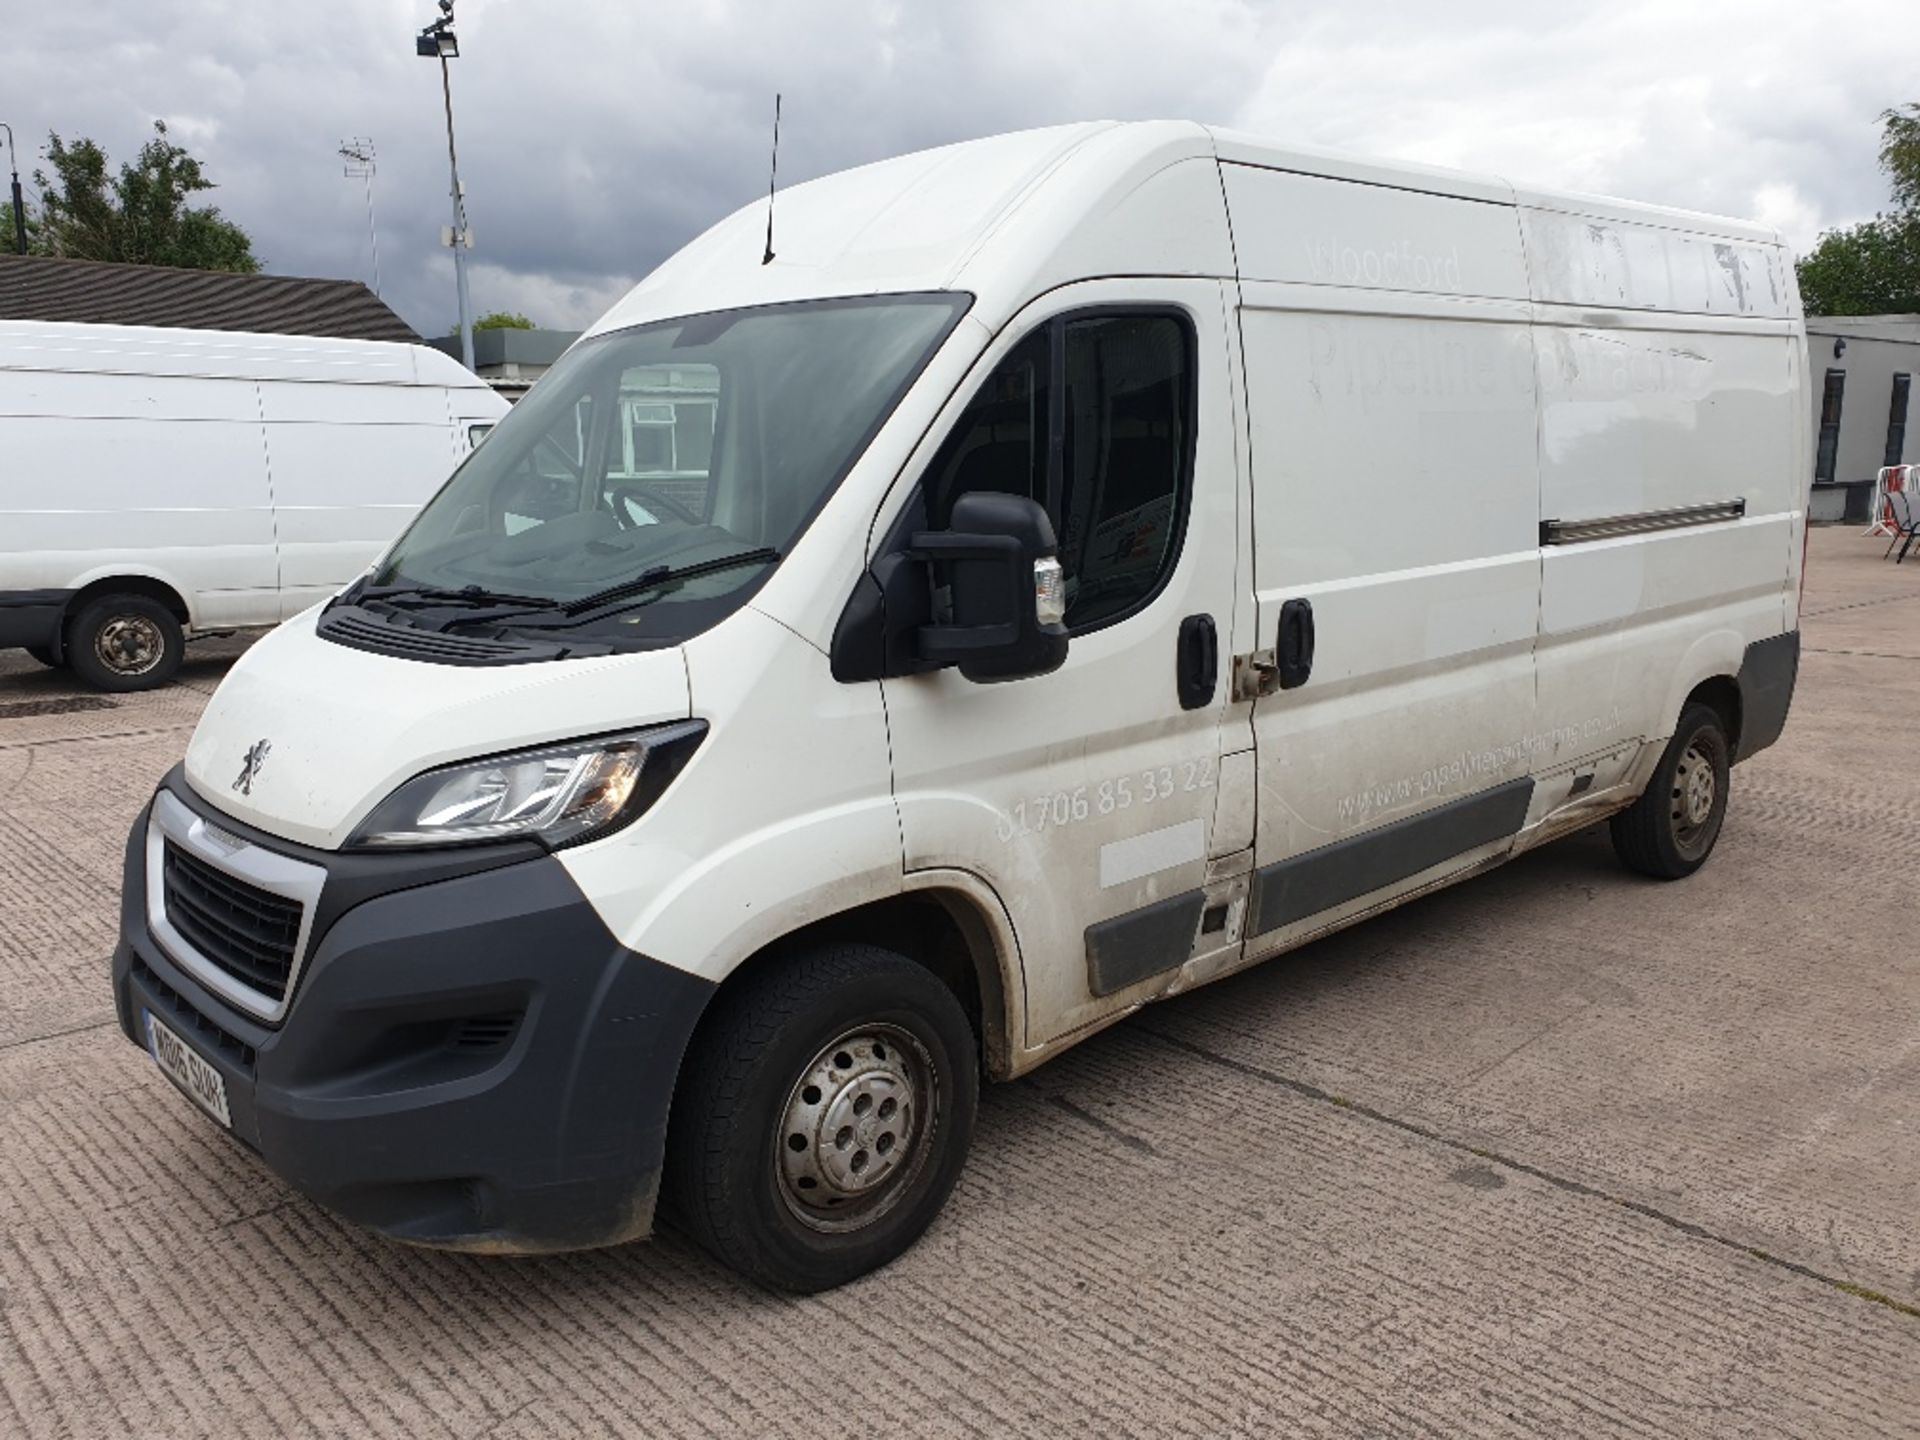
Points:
(558, 794)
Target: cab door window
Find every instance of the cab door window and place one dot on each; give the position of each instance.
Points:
(1124, 458)
(1092, 416)
(1000, 441)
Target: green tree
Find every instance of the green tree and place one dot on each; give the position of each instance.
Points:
(497, 320)
(1867, 269)
(35, 245)
(1900, 153)
(140, 216)
(1874, 268)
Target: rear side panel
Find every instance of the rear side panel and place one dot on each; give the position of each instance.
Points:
(1667, 382)
(350, 464)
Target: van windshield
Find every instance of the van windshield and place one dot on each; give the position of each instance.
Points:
(648, 482)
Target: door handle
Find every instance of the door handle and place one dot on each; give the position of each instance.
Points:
(1293, 649)
(1197, 669)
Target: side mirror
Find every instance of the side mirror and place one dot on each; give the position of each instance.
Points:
(1000, 595)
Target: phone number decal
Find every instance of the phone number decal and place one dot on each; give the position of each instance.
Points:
(1058, 809)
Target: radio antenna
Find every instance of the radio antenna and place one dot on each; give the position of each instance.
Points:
(773, 174)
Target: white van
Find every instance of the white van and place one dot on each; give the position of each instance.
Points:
(649, 823)
(160, 484)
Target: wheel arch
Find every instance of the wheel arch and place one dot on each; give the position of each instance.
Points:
(127, 582)
(1721, 693)
(121, 582)
(949, 922)
(1708, 668)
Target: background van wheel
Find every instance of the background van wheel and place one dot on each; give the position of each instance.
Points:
(125, 642)
(44, 655)
(1671, 829)
(822, 1117)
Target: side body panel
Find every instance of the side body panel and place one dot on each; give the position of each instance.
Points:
(126, 474)
(1392, 419)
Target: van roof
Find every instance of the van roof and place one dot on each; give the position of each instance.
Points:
(1005, 216)
(224, 354)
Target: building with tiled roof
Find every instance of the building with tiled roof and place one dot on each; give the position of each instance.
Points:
(94, 292)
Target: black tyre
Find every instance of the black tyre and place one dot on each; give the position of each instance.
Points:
(44, 655)
(125, 642)
(822, 1117)
(1671, 829)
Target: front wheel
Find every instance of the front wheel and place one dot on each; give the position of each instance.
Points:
(1671, 829)
(822, 1117)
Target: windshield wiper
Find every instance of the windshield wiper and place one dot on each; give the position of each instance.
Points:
(472, 595)
(667, 575)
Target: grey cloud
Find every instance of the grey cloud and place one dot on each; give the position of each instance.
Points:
(597, 136)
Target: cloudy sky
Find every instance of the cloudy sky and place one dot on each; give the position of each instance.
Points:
(596, 136)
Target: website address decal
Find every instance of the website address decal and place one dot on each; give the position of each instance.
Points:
(1459, 770)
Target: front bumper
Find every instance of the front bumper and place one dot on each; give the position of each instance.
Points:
(31, 618)
(471, 1061)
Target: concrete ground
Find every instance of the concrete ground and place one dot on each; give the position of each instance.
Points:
(1556, 1152)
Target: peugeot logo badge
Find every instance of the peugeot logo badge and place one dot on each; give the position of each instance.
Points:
(250, 767)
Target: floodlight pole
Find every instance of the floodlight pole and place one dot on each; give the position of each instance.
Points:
(19, 200)
(460, 243)
(438, 40)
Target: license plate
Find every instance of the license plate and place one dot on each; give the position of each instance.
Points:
(180, 1063)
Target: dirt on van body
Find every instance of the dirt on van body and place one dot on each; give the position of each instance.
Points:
(1558, 1151)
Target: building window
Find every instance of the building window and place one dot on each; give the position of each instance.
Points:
(666, 440)
(1829, 447)
(649, 438)
(1897, 421)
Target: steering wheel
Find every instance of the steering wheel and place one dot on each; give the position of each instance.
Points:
(623, 517)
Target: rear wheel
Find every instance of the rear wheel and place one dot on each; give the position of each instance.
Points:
(822, 1117)
(1671, 829)
(125, 642)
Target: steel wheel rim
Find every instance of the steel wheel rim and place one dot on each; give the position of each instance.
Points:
(854, 1135)
(129, 645)
(1696, 790)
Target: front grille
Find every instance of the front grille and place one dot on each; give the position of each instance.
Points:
(247, 932)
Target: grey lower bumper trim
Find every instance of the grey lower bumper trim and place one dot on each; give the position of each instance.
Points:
(1128, 948)
(1318, 880)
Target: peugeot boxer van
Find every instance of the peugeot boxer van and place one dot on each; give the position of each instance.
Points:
(161, 484)
(1076, 566)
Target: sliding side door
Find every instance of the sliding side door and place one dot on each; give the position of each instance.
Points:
(1396, 560)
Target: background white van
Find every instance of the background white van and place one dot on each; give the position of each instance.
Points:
(158, 484)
